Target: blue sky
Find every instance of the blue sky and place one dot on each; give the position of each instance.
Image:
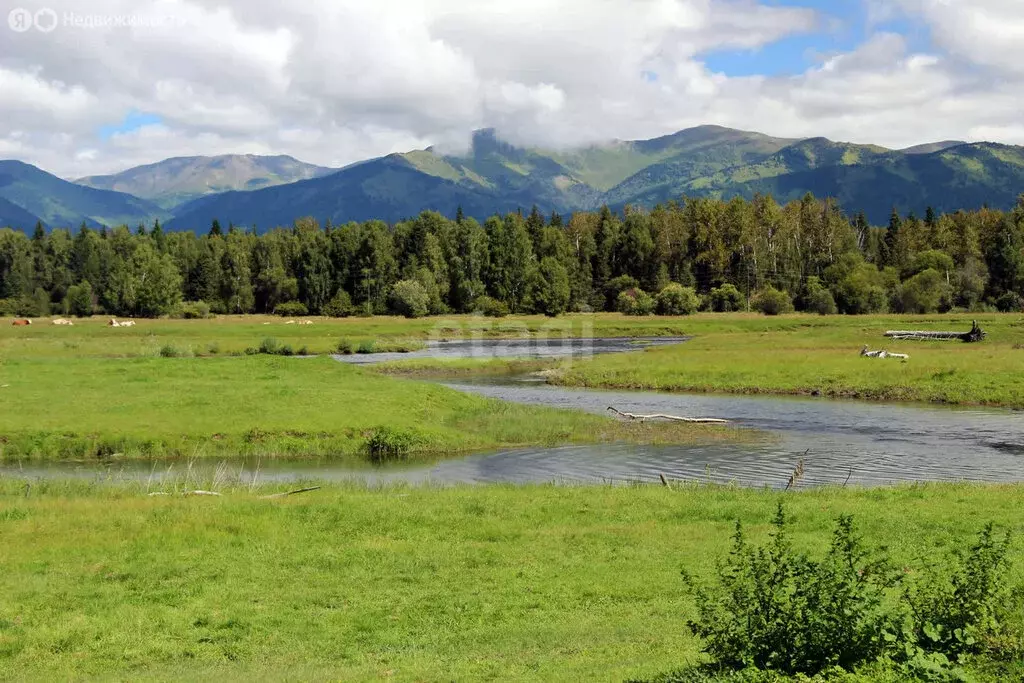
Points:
(843, 24)
(133, 120)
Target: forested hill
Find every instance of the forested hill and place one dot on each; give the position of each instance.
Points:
(707, 253)
(495, 177)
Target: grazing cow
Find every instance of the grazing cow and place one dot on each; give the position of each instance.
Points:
(124, 323)
(306, 322)
(62, 321)
(22, 321)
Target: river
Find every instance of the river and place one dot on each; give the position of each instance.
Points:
(840, 442)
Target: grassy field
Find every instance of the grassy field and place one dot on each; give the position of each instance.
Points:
(345, 583)
(813, 355)
(267, 405)
(227, 335)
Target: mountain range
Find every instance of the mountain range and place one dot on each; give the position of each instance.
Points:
(493, 176)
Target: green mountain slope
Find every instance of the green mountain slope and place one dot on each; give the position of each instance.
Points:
(59, 203)
(493, 176)
(172, 182)
(390, 188)
(961, 177)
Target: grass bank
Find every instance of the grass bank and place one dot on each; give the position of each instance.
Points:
(345, 583)
(270, 406)
(819, 356)
(226, 335)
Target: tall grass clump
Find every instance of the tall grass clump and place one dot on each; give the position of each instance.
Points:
(387, 443)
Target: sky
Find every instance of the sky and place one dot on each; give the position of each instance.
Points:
(97, 86)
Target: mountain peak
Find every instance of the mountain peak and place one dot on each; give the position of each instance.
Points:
(173, 181)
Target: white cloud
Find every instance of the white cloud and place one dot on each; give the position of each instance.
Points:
(335, 81)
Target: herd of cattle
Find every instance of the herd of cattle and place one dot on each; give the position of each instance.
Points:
(19, 322)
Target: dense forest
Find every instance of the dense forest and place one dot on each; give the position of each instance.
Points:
(675, 259)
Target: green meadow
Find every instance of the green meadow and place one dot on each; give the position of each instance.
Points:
(534, 583)
(85, 408)
(819, 355)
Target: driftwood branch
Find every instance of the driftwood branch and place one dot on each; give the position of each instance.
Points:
(674, 418)
(881, 354)
(291, 493)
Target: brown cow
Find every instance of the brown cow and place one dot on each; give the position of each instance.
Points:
(22, 321)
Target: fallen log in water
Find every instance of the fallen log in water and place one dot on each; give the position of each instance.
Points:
(975, 335)
(674, 418)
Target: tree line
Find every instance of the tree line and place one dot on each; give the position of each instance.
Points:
(699, 253)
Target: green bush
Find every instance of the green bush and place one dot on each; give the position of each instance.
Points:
(963, 609)
(290, 309)
(192, 310)
(1011, 302)
(491, 307)
(634, 301)
(346, 347)
(387, 443)
(926, 292)
(366, 346)
(675, 299)
(726, 299)
(340, 305)
(818, 298)
(771, 301)
(616, 286)
(269, 346)
(774, 608)
(169, 351)
(409, 298)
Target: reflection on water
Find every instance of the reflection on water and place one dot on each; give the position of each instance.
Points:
(840, 441)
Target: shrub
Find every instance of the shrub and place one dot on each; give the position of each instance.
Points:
(1011, 302)
(213, 348)
(726, 299)
(269, 346)
(491, 307)
(818, 298)
(192, 310)
(771, 301)
(408, 298)
(774, 608)
(926, 292)
(963, 610)
(675, 299)
(340, 305)
(634, 301)
(388, 443)
(291, 309)
(616, 286)
(8, 307)
(366, 346)
(346, 347)
(169, 351)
